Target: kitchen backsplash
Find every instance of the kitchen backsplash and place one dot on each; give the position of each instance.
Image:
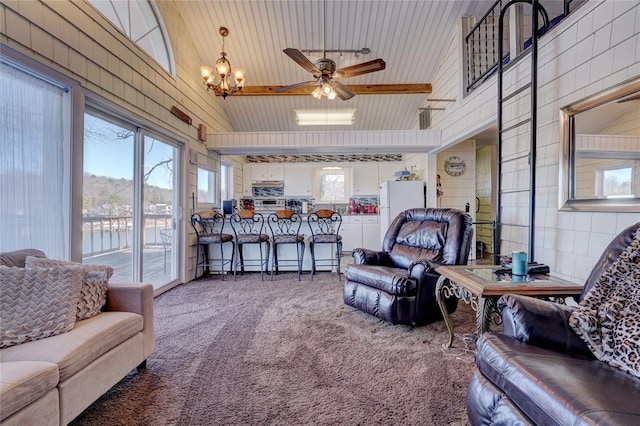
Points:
(268, 192)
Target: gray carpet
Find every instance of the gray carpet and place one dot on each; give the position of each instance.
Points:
(285, 352)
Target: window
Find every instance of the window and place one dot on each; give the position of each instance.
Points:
(226, 181)
(615, 183)
(141, 22)
(331, 184)
(34, 149)
(206, 187)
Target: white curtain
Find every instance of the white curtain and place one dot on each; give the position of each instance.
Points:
(34, 199)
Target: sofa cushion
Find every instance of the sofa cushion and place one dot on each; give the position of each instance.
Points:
(17, 258)
(553, 387)
(23, 382)
(608, 318)
(37, 303)
(93, 294)
(76, 349)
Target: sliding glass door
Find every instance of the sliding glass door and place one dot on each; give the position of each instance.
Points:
(159, 197)
(129, 201)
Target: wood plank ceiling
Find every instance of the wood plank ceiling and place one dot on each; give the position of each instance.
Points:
(411, 36)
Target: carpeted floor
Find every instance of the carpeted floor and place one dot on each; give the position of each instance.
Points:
(284, 352)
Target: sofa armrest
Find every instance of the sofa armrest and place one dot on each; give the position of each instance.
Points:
(136, 298)
(540, 323)
(363, 256)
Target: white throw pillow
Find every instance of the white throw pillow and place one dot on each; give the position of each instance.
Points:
(93, 295)
(37, 303)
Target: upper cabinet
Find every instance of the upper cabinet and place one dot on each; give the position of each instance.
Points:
(267, 171)
(298, 180)
(246, 180)
(365, 179)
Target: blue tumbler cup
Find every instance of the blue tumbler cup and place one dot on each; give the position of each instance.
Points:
(519, 263)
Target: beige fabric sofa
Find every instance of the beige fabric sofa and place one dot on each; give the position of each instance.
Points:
(52, 380)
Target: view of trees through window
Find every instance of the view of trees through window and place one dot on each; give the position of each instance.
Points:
(617, 182)
(333, 185)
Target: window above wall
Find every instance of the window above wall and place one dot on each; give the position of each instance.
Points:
(141, 21)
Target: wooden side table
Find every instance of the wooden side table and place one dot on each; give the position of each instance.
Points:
(481, 287)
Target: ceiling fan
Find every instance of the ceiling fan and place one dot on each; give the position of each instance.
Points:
(324, 71)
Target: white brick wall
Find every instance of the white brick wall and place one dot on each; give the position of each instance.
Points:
(594, 48)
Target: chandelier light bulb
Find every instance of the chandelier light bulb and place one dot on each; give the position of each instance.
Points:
(205, 72)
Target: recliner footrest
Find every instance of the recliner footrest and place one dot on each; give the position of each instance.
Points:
(394, 281)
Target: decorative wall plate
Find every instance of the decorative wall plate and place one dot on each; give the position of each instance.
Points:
(454, 166)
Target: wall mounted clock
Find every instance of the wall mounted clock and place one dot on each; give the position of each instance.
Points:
(454, 166)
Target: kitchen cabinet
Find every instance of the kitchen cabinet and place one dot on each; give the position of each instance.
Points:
(365, 179)
(267, 171)
(298, 180)
(387, 170)
(371, 233)
(246, 180)
(351, 231)
(360, 231)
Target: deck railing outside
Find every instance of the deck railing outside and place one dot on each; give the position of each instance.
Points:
(104, 234)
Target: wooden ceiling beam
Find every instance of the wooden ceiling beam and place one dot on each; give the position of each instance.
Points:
(358, 89)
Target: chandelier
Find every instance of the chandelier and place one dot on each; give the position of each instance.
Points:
(222, 84)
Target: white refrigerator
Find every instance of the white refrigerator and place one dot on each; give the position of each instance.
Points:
(397, 196)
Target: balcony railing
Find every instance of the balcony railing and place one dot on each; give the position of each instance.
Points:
(482, 41)
(104, 234)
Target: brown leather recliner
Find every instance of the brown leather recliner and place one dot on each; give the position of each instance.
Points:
(539, 371)
(398, 283)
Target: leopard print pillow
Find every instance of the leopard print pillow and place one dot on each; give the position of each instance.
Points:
(608, 318)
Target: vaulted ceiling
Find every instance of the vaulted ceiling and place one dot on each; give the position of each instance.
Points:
(411, 37)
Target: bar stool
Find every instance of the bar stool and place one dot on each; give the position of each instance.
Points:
(209, 226)
(247, 227)
(325, 229)
(285, 229)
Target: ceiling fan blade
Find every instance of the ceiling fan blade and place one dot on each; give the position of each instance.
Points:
(296, 86)
(359, 69)
(302, 60)
(341, 90)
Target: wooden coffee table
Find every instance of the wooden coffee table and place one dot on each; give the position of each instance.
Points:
(480, 287)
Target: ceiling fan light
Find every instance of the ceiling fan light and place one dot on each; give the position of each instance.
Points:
(331, 95)
(317, 92)
(326, 89)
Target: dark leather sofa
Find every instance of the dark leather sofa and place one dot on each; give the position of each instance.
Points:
(397, 284)
(538, 371)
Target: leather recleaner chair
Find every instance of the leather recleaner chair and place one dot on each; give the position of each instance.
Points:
(285, 229)
(398, 283)
(209, 228)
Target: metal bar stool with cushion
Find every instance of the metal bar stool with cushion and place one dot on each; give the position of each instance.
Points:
(247, 227)
(209, 227)
(325, 229)
(285, 229)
